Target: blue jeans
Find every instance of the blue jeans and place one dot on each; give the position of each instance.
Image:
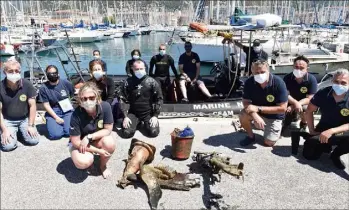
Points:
(57, 131)
(13, 127)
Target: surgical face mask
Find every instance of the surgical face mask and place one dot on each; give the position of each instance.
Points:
(97, 56)
(257, 49)
(298, 73)
(261, 78)
(89, 105)
(98, 74)
(140, 73)
(135, 57)
(162, 52)
(15, 77)
(340, 89)
(52, 77)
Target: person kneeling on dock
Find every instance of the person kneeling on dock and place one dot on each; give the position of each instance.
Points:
(265, 103)
(143, 95)
(17, 108)
(333, 128)
(55, 95)
(90, 130)
(301, 87)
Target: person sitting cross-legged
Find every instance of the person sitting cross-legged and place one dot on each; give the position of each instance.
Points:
(265, 103)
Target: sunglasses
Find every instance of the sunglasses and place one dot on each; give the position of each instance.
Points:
(90, 98)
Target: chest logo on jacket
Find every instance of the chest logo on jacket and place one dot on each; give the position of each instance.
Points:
(100, 124)
(345, 112)
(23, 97)
(270, 98)
(63, 93)
(193, 61)
(304, 89)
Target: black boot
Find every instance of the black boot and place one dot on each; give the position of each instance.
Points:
(335, 157)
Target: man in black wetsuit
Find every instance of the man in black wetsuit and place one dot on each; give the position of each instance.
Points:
(256, 53)
(162, 63)
(144, 97)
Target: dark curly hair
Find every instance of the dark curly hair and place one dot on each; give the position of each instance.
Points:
(301, 58)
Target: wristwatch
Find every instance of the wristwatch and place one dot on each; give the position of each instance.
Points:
(259, 109)
(31, 125)
(89, 137)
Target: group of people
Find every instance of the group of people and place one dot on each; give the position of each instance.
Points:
(269, 102)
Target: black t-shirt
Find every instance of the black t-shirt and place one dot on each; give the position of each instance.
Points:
(162, 66)
(15, 104)
(274, 93)
(189, 63)
(107, 88)
(55, 93)
(262, 54)
(333, 114)
(299, 91)
(81, 124)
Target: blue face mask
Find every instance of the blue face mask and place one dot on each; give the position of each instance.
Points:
(162, 52)
(340, 89)
(135, 57)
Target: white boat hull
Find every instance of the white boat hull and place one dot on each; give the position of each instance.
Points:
(118, 35)
(78, 39)
(7, 51)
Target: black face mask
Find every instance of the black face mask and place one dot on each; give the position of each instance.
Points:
(52, 77)
(187, 49)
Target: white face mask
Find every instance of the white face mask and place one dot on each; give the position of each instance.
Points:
(15, 77)
(140, 73)
(89, 105)
(340, 89)
(98, 74)
(257, 49)
(135, 57)
(97, 56)
(261, 78)
(298, 73)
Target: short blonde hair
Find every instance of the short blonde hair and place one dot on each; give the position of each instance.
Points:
(89, 86)
(11, 63)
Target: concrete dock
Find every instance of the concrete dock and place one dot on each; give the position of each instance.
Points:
(44, 177)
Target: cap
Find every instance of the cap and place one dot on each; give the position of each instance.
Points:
(256, 43)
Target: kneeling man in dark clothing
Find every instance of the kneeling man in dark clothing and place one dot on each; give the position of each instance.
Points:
(334, 123)
(265, 103)
(301, 87)
(143, 95)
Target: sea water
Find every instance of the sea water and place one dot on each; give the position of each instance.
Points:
(114, 52)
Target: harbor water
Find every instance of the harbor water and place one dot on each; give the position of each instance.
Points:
(114, 52)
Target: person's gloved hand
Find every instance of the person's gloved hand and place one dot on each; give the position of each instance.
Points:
(153, 121)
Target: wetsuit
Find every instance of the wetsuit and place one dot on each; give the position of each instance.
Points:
(144, 98)
(162, 71)
(107, 88)
(129, 64)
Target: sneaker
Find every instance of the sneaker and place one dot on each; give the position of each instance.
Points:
(337, 162)
(247, 141)
(303, 126)
(185, 100)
